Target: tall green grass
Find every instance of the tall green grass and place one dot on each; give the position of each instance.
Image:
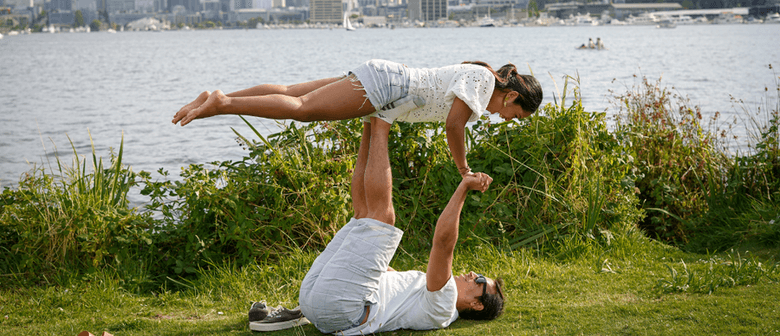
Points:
(678, 157)
(72, 220)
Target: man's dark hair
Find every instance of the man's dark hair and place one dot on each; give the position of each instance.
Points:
(493, 305)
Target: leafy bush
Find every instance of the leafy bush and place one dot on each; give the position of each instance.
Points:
(74, 222)
(746, 207)
(557, 173)
(290, 192)
(678, 160)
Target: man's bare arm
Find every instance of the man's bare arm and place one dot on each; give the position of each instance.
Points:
(445, 235)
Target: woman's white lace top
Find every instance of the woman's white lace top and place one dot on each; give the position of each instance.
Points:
(471, 83)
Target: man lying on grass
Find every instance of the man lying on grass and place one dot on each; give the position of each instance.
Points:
(351, 290)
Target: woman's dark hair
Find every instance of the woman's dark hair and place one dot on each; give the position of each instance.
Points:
(493, 305)
(527, 86)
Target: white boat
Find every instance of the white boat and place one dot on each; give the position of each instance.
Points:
(347, 24)
(582, 20)
(616, 22)
(486, 21)
(643, 19)
(666, 23)
(682, 19)
(727, 18)
(772, 18)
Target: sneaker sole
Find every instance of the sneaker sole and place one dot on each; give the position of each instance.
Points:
(258, 326)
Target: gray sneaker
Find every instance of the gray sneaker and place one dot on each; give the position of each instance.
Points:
(258, 311)
(280, 318)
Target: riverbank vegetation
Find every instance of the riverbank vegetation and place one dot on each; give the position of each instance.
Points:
(647, 225)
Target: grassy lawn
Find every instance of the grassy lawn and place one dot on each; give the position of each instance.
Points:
(579, 288)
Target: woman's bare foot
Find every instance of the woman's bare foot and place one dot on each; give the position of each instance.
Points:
(189, 107)
(209, 108)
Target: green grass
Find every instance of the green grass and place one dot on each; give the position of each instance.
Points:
(576, 288)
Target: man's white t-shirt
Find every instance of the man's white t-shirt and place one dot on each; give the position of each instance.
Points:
(404, 302)
(474, 84)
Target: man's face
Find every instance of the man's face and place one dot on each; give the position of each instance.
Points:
(471, 286)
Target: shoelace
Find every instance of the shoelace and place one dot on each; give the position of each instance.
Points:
(276, 311)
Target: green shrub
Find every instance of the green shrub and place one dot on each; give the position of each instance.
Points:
(557, 173)
(74, 222)
(290, 192)
(678, 160)
(746, 207)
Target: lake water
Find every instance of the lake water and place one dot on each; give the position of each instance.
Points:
(58, 85)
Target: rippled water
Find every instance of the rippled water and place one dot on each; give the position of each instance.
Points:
(53, 85)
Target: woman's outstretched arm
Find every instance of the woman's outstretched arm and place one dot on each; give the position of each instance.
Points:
(456, 129)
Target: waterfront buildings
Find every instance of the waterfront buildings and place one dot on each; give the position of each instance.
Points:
(232, 13)
(427, 10)
(326, 11)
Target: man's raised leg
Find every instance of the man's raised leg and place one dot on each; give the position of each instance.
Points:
(378, 180)
(359, 205)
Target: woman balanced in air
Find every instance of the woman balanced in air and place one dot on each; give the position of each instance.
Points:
(454, 94)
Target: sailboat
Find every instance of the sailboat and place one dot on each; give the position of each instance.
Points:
(347, 24)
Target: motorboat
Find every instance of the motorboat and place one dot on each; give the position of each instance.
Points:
(643, 19)
(616, 22)
(772, 18)
(682, 19)
(666, 23)
(581, 20)
(727, 18)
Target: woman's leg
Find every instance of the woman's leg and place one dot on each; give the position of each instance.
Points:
(339, 100)
(295, 90)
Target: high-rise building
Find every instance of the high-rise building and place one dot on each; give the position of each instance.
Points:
(241, 4)
(189, 5)
(59, 5)
(114, 6)
(427, 10)
(326, 11)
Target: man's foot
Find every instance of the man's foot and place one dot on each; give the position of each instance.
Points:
(280, 318)
(258, 311)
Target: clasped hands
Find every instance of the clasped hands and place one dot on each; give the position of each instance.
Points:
(477, 181)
